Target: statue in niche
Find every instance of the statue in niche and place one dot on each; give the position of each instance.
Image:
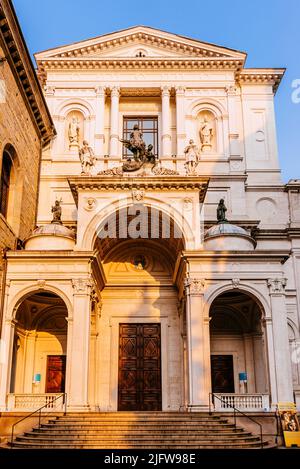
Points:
(221, 212)
(87, 158)
(206, 135)
(192, 156)
(73, 132)
(56, 210)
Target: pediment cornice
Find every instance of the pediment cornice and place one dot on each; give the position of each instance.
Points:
(153, 39)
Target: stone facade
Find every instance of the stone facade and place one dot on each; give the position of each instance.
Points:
(226, 296)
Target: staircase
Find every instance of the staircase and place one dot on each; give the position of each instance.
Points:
(137, 430)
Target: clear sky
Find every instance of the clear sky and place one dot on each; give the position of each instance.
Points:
(268, 30)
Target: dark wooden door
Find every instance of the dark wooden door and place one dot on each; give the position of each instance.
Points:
(56, 372)
(139, 386)
(222, 378)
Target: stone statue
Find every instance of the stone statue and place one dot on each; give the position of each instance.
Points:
(87, 158)
(206, 135)
(73, 133)
(136, 144)
(221, 212)
(192, 157)
(136, 137)
(56, 210)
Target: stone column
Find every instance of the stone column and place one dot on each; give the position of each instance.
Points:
(114, 121)
(271, 362)
(6, 349)
(78, 345)
(249, 363)
(281, 340)
(29, 359)
(198, 346)
(166, 131)
(100, 108)
(180, 121)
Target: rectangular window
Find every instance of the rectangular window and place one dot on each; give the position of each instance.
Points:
(149, 128)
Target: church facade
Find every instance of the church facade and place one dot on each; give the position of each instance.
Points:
(165, 265)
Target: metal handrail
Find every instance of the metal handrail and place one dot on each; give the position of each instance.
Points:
(64, 395)
(235, 409)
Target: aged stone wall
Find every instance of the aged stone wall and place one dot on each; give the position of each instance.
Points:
(17, 129)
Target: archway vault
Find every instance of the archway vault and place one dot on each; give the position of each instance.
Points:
(154, 238)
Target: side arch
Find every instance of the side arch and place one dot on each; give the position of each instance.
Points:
(212, 293)
(28, 291)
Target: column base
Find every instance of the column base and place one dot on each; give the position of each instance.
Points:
(78, 408)
(197, 407)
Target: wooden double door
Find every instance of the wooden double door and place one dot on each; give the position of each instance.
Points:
(139, 384)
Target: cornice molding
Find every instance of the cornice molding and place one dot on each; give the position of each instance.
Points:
(20, 63)
(262, 76)
(113, 183)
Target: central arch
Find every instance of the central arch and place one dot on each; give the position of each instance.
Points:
(139, 324)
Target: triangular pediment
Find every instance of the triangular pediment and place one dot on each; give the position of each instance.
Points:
(140, 42)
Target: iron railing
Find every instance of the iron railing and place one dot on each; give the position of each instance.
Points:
(213, 396)
(39, 411)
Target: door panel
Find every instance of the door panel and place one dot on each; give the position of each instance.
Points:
(139, 386)
(222, 373)
(56, 371)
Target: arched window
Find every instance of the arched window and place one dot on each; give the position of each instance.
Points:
(7, 164)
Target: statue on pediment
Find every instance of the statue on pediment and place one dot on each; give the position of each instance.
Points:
(192, 156)
(87, 158)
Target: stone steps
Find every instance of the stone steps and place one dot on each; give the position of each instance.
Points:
(97, 431)
(137, 431)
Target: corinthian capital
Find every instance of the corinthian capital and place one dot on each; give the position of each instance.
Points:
(179, 90)
(115, 91)
(165, 90)
(277, 285)
(194, 286)
(82, 285)
(100, 90)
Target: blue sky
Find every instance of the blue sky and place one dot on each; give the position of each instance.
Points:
(268, 30)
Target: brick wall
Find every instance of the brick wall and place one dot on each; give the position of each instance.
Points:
(16, 128)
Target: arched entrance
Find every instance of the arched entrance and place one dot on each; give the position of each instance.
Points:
(238, 348)
(137, 338)
(39, 350)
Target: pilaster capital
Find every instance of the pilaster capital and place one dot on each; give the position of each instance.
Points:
(82, 286)
(194, 286)
(165, 91)
(231, 90)
(115, 91)
(49, 90)
(277, 285)
(100, 91)
(180, 90)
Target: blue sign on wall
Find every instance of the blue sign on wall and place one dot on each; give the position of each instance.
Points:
(37, 378)
(243, 376)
